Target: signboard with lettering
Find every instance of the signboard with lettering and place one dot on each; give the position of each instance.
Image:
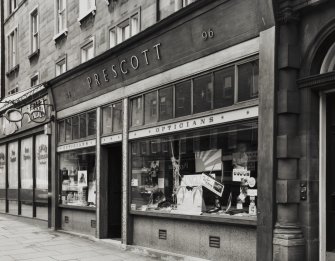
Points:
(166, 47)
(77, 145)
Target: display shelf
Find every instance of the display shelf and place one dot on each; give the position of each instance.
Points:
(77, 207)
(215, 218)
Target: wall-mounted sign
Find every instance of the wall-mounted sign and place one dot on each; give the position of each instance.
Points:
(224, 117)
(77, 145)
(111, 139)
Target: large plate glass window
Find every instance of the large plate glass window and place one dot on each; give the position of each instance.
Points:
(248, 81)
(13, 177)
(202, 93)
(3, 161)
(26, 175)
(78, 177)
(183, 99)
(210, 171)
(112, 117)
(41, 173)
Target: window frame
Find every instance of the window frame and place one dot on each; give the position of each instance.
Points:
(117, 28)
(232, 66)
(34, 77)
(84, 49)
(59, 15)
(34, 36)
(12, 51)
(59, 63)
(12, 6)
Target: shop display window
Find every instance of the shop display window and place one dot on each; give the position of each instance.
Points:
(248, 81)
(78, 177)
(183, 101)
(26, 163)
(209, 172)
(41, 161)
(3, 167)
(13, 165)
(92, 123)
(112, 117)
(68, 129)
(82, 126)
(202, 93)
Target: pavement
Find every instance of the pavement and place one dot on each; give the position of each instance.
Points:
(20, 240)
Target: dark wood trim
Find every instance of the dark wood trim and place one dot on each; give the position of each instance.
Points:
(34, 173)
(7, 177)
(318, 82)
(23, 134)
(92, 209)
(208, 218)
(19, 174)
(2, 52)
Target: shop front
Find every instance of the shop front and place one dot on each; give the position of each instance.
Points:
(25, 157)
(172, 160)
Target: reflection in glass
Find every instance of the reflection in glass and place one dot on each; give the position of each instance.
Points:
(202, 93)
(82, 125)
(92, 123)
(183, 99)
(165, 103)
(224, 87)
(248, 81)
(150, 107)
(117, 116)
(136, 111)
(68, 130)
(75, 127)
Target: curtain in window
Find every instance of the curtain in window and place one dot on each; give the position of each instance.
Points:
(13, 165)
(42, 164)
(3, 166)
(27, 163)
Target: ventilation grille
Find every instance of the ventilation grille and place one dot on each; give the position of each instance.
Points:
(93, 223)
(162, 234)
(214, 242)
(66, 219)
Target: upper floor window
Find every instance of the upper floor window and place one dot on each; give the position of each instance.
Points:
(87, 51)
(34, 80)
(182, 3)
(86, 7)
(34, 30)
(112, 117)
(13, 91)
(328, 63)
(12, 49)
(60, 16)
(61, 66)
(124, 30)
(12, 5)
(167, 8)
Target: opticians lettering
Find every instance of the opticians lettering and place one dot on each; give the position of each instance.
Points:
(125, 66)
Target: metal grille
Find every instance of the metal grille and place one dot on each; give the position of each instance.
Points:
(162, 234)
(214, 242)
(66, 219)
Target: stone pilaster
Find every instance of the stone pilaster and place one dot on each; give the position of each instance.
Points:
(288, 239)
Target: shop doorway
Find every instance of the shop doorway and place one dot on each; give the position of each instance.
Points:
(114, 191)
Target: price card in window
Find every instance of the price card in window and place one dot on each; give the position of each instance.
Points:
(252, 192)
(211, 184)
(239, 174)
(134, 182)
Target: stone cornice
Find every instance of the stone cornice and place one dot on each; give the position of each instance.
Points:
(317, 81)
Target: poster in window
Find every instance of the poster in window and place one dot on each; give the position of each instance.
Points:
(82, 178)
(13, 165)
(3, 166)
(208, 160)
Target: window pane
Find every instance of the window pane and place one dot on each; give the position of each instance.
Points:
(78, 177)
(224, 87)
(112, 38)
(202, 93)
(248, 81)
(42, 161)
(3, 166)
(134, 25)
(61, 129)
(167, 172)
(13, 165)
(82, 125)
(68, 129)
(106, 120)
(26, 163)
(136, 111)
(117, 116)
(165, 103)
(92, 123)
(183, 99)
(150, 107)
(75, 127)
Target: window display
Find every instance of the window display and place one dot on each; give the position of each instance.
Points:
(211, 171)
(26, 163)
(78, 177)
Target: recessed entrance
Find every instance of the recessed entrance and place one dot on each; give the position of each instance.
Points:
(114, 190)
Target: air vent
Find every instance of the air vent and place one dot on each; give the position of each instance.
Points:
(66, 219)
(93, 223)
(162, 234)
(214, 242)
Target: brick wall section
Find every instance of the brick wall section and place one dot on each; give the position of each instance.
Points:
(96, 26)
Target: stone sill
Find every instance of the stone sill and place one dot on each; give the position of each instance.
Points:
(60, 35)
(34, 54)
(13, 70)
(83, 17)
(212, 218)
